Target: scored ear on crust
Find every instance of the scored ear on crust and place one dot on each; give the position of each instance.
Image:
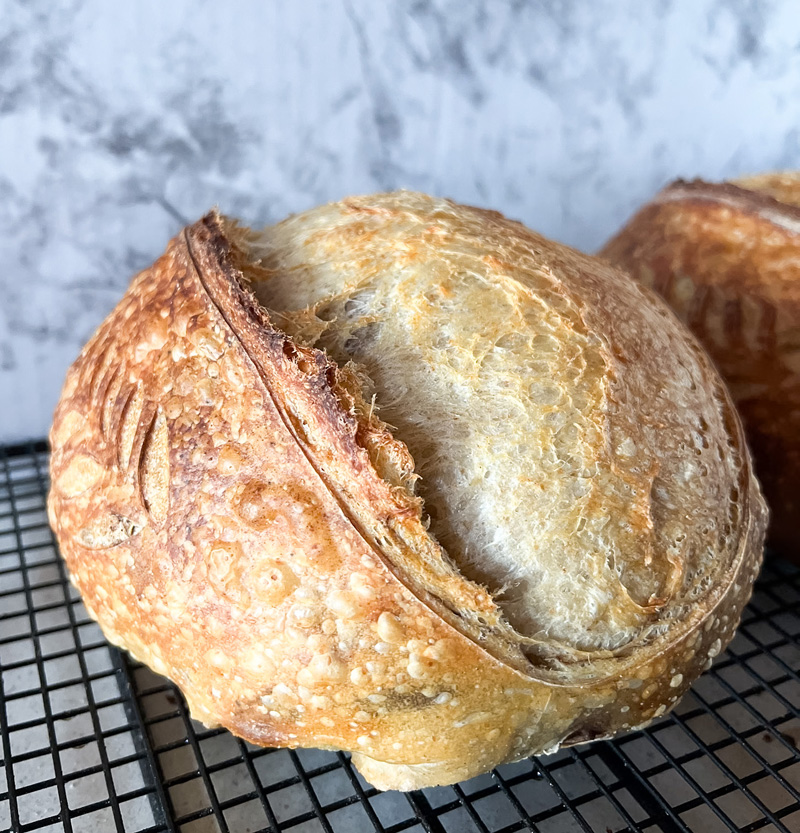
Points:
(236, 513)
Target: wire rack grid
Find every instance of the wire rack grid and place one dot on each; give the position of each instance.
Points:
(92, 741)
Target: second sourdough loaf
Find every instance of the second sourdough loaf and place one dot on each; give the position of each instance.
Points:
(401, 477)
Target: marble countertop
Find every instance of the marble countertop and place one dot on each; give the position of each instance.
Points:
(119, 122)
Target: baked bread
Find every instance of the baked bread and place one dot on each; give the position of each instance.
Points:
(555, 538)
(726, 257)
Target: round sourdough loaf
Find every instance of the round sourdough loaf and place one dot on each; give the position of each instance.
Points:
(401, 477)
(726, 257)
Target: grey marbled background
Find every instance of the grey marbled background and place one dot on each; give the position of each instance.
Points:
(119, 121)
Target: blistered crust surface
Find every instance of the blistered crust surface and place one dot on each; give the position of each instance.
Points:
(219, 511)
(783, 186)
(556, 456)
(727, 260)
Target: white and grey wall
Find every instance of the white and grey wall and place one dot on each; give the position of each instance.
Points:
(119, 121)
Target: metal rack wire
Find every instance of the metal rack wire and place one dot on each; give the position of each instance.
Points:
(91, 741)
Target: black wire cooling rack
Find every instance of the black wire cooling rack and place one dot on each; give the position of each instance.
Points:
(92, 741)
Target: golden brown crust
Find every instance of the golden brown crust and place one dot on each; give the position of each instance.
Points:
(726, 257)
(216, 500)
(783, 186)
